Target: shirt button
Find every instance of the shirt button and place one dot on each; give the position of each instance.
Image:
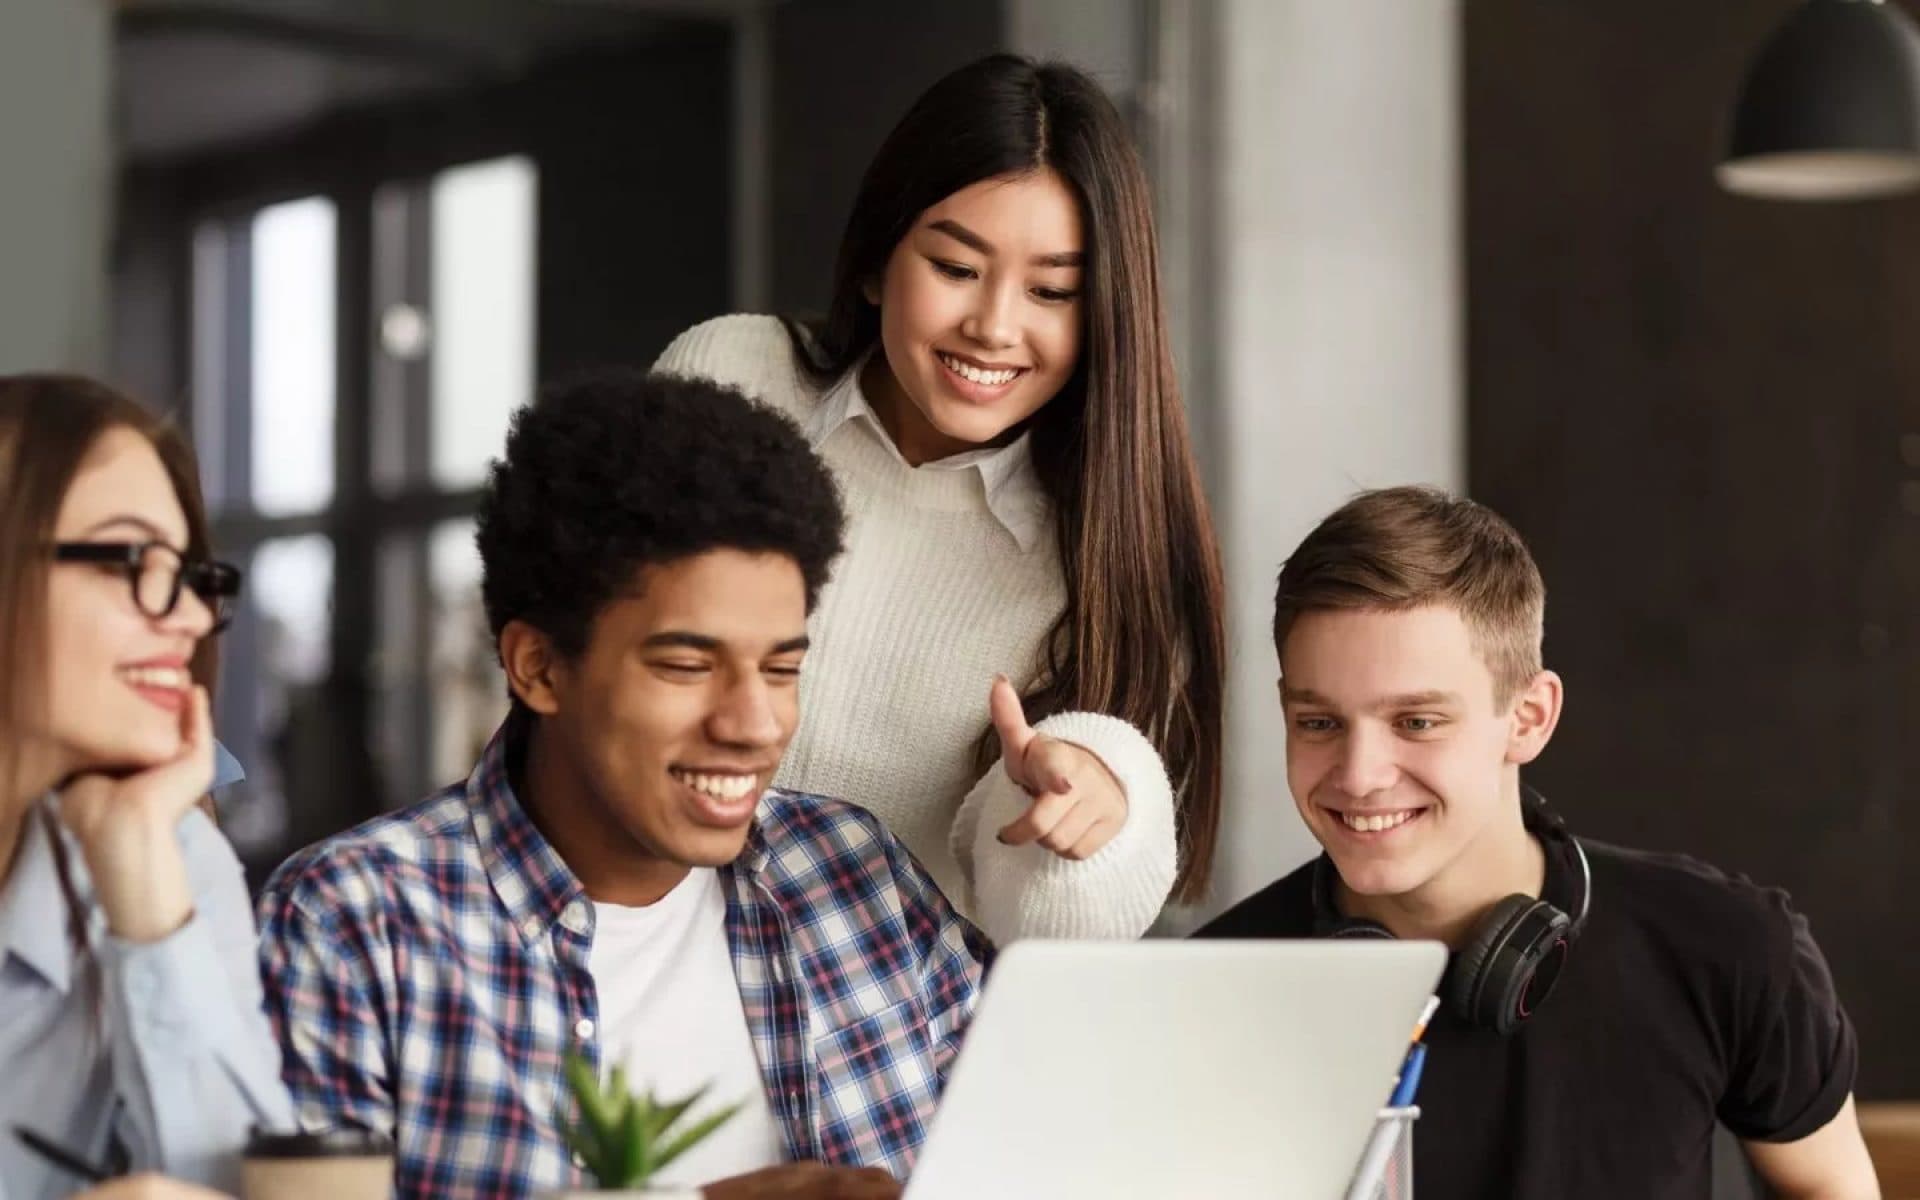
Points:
(583, 1029)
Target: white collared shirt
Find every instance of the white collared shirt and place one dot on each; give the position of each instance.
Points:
(1013, 492)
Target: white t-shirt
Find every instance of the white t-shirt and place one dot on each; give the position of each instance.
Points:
(670, 1010)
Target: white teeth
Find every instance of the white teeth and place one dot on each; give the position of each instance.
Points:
(1377, 822)
(974, 374)
(173, 678)
(723, 787)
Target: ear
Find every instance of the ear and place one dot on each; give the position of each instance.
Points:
(871, 290)
(1536, 711)
(532, 665)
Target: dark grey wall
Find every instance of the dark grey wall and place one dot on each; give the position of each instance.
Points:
(635, 187)
(1694, 407)
(844, 73)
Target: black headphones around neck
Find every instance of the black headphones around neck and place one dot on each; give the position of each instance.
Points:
(1507, 968)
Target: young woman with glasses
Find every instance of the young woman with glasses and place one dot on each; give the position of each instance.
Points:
(130, 1021)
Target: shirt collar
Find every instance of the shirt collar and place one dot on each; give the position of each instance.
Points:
(534, 884)
(34, 921)
(1013, 491)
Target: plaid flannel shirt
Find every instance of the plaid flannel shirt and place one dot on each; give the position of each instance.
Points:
(427, 972)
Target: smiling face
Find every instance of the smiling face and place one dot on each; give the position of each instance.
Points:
(1402, 759)
(119, 678)
(980, 315)
(672, 719)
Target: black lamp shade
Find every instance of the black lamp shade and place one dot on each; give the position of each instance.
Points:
(1830, 109)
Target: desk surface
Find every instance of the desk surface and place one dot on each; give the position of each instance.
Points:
(1892, 1132)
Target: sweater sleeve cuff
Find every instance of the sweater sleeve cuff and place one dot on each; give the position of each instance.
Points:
(1029, 891)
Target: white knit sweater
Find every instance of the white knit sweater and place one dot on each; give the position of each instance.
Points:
(951, 574)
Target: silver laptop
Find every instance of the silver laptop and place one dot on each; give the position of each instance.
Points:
(1171, 1069)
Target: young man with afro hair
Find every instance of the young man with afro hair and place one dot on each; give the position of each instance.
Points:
(617, 879)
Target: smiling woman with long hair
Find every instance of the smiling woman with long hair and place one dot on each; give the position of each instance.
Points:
(1029, 540)
(130, 1020)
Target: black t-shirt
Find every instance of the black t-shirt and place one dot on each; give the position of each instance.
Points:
(1687, 997)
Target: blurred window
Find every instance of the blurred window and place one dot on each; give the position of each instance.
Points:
(345, 413)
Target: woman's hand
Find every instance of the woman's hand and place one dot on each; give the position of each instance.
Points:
(1078, 803)
(128, 828)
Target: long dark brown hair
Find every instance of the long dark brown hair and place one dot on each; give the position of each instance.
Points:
(48, 425)
(1143, 635)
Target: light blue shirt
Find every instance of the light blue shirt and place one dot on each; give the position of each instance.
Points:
(162, 1049)
(226, 769)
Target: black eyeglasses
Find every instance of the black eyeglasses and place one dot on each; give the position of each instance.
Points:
(156, 572)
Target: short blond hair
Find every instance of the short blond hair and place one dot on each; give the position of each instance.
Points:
(1402, 548)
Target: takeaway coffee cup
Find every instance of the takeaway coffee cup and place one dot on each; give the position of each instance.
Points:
(336, 1164)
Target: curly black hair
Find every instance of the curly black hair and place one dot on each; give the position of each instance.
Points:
(609, 473)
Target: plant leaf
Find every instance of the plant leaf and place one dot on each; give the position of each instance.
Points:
(601, 1119)
(634, 1144)
(620, 1101)
(693, 1135)
(666, 1114)
(643, 1103)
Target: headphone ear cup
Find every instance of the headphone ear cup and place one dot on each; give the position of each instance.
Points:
(1496, 980)
(1464, 982)
(1354, 927)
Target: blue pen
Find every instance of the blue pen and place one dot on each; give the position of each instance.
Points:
(1409, 1076)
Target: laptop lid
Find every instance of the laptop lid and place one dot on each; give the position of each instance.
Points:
(1175, 1069)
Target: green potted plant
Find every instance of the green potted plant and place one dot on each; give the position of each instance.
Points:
(625, 1138)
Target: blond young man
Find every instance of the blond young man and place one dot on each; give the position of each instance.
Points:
(1409, 628)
